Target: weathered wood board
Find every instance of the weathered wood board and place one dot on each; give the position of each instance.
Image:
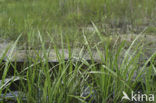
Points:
(77, 53)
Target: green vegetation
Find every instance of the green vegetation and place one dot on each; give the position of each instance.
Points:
(67, 81)
(70, 17)
(88, 25)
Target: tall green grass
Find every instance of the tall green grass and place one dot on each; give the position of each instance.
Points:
(67, 81)
(55, 24)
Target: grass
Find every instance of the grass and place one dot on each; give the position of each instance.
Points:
(71, 17)
(84, 24)
(67, 81)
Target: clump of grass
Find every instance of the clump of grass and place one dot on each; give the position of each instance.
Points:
(84, 81)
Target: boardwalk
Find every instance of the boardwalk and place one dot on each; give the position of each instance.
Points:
(149, 48)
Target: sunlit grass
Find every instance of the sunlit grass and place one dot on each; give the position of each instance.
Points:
(89, 25)
(75, 81)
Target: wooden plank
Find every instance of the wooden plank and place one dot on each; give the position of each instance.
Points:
(52, 56)
(77, 53)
